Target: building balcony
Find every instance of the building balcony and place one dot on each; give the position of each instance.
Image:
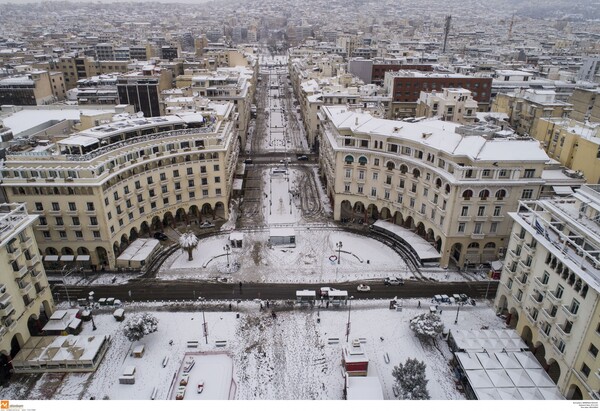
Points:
(90, 212)
(536, 298)
(524, 267)
(510, 269)
(26, 288)
(36, 274)
(540, 284)
(513, 255)
(548, 315)
(75, 227)
(518, 238)
(570, 315)
(28, 243)
(530, 317)
(7, 310)
(464, 218)
(553, 298)
(505, 286)
(527, 247)
(34, 260)
(520, 280)
(140, 190)
(15, 254)
(71, 212)
(516, 300)
(481, 218)
(20, 272)
(3, 331)
(563, 332)
(55, 212)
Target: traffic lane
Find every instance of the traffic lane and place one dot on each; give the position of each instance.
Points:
(151, 290)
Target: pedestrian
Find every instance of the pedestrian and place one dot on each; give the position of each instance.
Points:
(240, 285)
(327, 304)
(267, 303)
(440, 312)
(229, 306)
(419, 304)
(261, 306)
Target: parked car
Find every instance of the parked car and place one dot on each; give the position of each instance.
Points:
(303, 158)
(248, 161)
(161, 236)
(393, 281)
(200, 387)
(207, 224)
(362, 288)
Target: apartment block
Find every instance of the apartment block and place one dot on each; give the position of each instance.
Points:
(406, 86)
(549, 290)
(31, 89)
(586, 105)
(574, 144)
(525, 108)
(98, 190)
(452, 104)
(25, 298)
(446, 182)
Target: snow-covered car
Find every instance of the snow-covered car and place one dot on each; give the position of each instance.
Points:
(362, 288)
(393, 281)
(207, 224)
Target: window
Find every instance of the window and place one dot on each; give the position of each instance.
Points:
(93, 221)
(78, 234)
(204, 181)
(190, 171)
(59, 221)
(423, 208)
(348, 173)
(96, 234)
(497, 211)
(361, 175)
(128, 203)
(486, 173)
(375, 176)
(39, 207)
(119, 210)
(216, 167)
(481, 211)
(62, 234)
(574, 307)
(164, 189)
(529, 173)
(425, 192)
(149, 180)
(477, 229)
(386, 195)
(142, 210)
(376, 162)
(112, 229)
(116, 195)
(347, 188)
(593, 350)
(412, 203)
(493, 227)
(464, 212)
(152, 193)
(585, 370)
(190, 183)
(545, 278)
(126, 190)
(205, 193)
(137, 185)
(503, 173)
(177, 198)
(202, 169)
(175, 173)
(43, 221)
(527, 194)
(461, 227)
(192, 194)
(388, 180)
(55, 207)
(218, 191)
(72, 207)
(166, 200)
(163, 176)
(413, 188)
(153, 205)
(373, 192)
(400, 198)
(46, 234)
(140, 198)
(217, 179)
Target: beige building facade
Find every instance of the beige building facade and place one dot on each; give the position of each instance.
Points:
(452, 104)
(25, 297)
(98, 190)
(549, 289)
(574, 144)
(439, 179)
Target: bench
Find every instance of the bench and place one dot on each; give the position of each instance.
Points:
(193, 344)
(221, 343)
(333, 341)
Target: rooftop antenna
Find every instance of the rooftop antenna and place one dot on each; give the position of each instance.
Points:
(446, 32)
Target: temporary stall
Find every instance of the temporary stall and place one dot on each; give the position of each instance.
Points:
(282, 237)
(139, 253)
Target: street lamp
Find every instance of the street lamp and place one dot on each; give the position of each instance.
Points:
(339, 247)
(64, 276)
(91, 300)
(227, 249)
(204, 325)
(348, 324)
(457, 311)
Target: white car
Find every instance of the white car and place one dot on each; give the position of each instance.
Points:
(362, 288)
(207, 224)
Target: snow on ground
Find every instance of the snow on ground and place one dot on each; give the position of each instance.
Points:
(314, 259)
(281, 210)
(287, 357)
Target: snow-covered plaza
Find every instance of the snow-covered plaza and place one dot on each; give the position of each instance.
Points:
(287, 357)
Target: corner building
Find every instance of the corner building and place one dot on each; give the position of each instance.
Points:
(440, 179)
(550, 287)
(98, 190)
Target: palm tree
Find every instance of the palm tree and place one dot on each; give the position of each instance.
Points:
(188, 241)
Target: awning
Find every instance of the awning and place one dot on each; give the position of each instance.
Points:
(562, 190)
(82, 258)
(51, 258)
(67, 258)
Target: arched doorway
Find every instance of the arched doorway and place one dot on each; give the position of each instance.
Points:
(116, 249)
(181, 216)
(345, 211)
(133, 234)
(385, 213)
(438, 244)
(455, 252)
(124, 243)
(51, 251)
(102, 256)
(156, 224)
(372, 213)
(359, 208)
(34, 325)
(527, 337)
(194, 213)
(553, 370)
(513, 318)
(206, 210)
(574, 393)
(66, 251)
(144, 229)
(219, 210)
(83, 251)
(409, 223)
(398, 219)
(169, 220)
(429, 235)
(502, 305)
